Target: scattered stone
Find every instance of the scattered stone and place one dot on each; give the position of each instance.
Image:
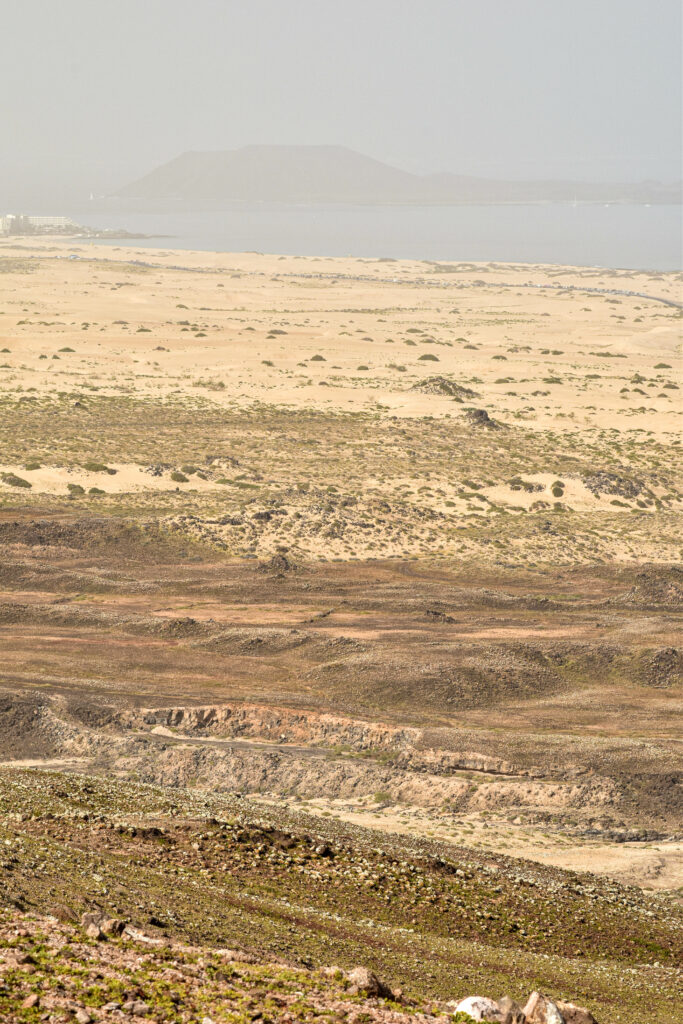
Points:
(30, 1002)
(82, 1016)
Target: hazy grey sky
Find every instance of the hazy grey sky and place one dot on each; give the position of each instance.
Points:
(96, 92)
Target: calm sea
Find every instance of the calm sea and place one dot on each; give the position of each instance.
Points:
(635, 237)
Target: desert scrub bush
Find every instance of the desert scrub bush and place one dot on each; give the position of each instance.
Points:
(518, 484)
(189, 469)
(91, 466)
(178, 477)
(12, 480)
(362, 367)
(31, 465)
(96, 490)
(428, 357)
(318, 359)
(75, 489)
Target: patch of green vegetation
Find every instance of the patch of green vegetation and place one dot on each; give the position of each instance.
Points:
(12, 480)
(92, 466)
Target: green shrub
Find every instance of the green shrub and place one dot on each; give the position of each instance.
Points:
(98, 467)
(428, 357)
(178, 477)
(13, 480)
(75, 489)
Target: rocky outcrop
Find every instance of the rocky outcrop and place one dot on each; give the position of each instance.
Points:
(539, 1009)
(443, 386)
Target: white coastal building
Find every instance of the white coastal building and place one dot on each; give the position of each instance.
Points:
(19, 224)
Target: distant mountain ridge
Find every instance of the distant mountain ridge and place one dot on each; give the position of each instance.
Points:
(335, 174)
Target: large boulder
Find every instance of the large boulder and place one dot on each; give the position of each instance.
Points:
(575, 1014)
(542, 1010)
(365, 983)
(481, 1008)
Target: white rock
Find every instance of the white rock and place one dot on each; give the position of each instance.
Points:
(480, 1008)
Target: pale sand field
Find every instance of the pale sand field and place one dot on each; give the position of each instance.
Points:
(357, 312)
(595, 374)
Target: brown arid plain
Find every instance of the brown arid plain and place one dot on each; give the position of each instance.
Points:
(340, 611)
